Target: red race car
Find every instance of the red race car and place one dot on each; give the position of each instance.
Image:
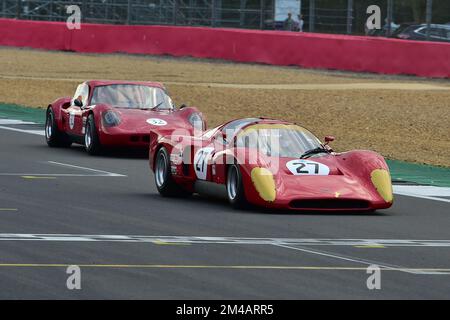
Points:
(273, 164)
(116, 114)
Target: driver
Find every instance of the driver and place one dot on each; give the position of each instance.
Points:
(287, 146)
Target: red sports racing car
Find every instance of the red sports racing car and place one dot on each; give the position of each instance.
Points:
(116, 114)
(273, 164)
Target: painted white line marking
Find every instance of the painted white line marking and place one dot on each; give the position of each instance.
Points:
(360, 261)
(424, 192)
(13, 121)
(100, 172)
(95, 172)
(55, 175)
(35, 132)
(227, 240)
(278, 242)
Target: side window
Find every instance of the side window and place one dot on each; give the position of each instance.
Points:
(436, 33)
(83, 91)
(422, 31)
(248, 140)
(160, 99)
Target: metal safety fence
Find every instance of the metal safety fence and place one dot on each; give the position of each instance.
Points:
(327, 16)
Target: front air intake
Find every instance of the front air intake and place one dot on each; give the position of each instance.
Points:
(337, 204)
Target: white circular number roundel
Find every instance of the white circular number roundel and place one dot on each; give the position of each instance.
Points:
(307, 167)
(156, 122)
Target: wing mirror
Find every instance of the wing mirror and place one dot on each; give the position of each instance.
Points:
(221, 135)
(224, 137)
(329, 139)
(78, 103)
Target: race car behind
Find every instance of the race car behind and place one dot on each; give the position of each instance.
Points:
(117, 114)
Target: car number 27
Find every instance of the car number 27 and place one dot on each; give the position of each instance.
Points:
(201, 159)
(307, 167)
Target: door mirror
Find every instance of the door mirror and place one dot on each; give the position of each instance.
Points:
(221, 137)
(78, 103)
(329, 139)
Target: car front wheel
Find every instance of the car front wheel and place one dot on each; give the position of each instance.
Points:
(165, 184)
(235, 189)
(53, 136)
(91, 140)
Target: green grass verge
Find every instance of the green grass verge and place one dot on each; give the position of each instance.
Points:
(12, 111)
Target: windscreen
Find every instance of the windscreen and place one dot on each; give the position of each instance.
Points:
(131, 96)
(284, 141)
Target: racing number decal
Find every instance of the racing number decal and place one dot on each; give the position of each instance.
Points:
(156, 122)
(71, 120)
(201, 159)
(307, 167)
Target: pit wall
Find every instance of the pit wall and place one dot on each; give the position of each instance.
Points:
(308, 50)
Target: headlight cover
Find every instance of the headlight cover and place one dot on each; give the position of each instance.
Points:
(264, 183)
(196, 120)
(111, 119)
(381, 180)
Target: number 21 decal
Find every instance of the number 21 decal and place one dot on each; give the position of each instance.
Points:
(307, 167)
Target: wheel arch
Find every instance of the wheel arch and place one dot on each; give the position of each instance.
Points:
(158, 147)
(56, 107)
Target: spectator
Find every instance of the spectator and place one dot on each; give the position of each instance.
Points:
(394, 27)
(301, 23)
(289, 23)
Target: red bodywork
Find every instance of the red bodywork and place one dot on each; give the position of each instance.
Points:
(347, 187)
(133, 131)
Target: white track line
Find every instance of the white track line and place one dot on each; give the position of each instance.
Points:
(225, 240)
(95, 172)
(14, 122)
(286, 243)
(35, 132)
(423, 192)
(101, 172)
(363, 261)
(56, 175)
(423, 197)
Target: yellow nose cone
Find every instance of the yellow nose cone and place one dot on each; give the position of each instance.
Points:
(264, 183)
(381, 179)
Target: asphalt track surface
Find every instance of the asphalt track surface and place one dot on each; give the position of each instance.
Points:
(61, 207)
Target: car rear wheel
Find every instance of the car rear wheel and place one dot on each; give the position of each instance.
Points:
(53, 136)
(91, 140)
(165, 184)
(235, 189)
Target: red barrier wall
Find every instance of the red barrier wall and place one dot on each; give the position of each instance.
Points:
(352, 53)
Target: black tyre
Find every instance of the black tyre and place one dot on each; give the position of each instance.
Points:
(53, 136)
(235, 188)
(91, 140)
(163, 177)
